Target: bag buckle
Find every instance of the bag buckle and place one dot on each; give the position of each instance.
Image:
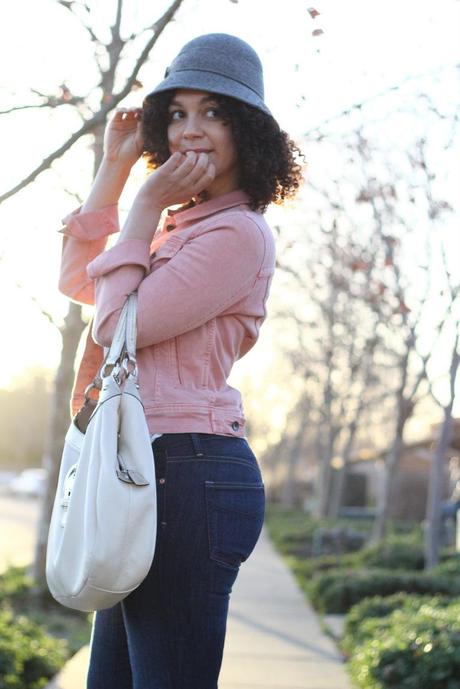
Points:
(132, 476)
(129, 475)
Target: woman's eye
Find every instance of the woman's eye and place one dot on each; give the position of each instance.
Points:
(211, 113)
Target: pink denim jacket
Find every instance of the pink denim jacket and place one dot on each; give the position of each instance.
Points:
(202, 285)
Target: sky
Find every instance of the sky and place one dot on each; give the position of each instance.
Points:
(364, 49)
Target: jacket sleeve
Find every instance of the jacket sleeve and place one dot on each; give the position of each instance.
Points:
(84, 237)
(208, 274)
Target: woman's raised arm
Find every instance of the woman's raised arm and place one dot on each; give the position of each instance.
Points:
(87, 228)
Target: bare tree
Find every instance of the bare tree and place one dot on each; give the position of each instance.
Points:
(438, 460)
(438, 463)
(364, 304)
(336, 347)
(109, 99)
(93, 124)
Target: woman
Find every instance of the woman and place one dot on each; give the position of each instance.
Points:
(203, 278)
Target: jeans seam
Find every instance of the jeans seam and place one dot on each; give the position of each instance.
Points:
(253, 467)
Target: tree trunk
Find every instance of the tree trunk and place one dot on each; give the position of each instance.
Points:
(435, 489)
(383, 508)
(57, 427)
(338, 485)
(325, 475)
(433, 521)
(390, 471)
(289, 486)
(59, 413)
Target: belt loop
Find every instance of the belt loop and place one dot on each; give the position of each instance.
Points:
(197, 444)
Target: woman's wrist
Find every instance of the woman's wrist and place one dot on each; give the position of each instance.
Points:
(108, 185)
(115, 167)
(141, 222)
(149, 202)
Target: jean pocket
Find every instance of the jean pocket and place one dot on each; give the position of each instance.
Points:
(235, 515)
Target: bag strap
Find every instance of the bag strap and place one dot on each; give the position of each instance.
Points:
(131, 327)
(123, 343)
(119, 337)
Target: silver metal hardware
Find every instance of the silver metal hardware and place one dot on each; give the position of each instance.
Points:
(130, 475)
(67, 492)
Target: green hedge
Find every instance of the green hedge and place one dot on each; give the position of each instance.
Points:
(337, 590)
(395, 552)
(28, 656)
(416, 647)
(378, 607)
(293, 531)
(14, 583)
(449, 566)
(398, 552)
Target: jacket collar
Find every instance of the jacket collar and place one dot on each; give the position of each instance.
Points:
(176, 218)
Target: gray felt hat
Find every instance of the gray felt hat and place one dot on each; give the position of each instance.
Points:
(219, 63)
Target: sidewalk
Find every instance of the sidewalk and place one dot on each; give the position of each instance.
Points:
(273, 640)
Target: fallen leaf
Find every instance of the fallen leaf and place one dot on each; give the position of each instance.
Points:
(317, 32)
(313, 13)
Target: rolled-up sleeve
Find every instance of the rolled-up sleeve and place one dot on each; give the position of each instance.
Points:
(211, 271)
(85, 236)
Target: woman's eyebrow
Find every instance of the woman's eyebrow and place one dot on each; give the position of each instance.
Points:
(203, 100)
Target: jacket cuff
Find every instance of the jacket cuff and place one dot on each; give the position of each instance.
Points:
(91, 225)
(126, 253)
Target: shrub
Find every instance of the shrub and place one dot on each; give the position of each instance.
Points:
(407, 650)
(14, 583)
(396, 552)
(294, 532)
(449, 566)
(28, 657)
(291, 531)
(338, 589)
(356, 631)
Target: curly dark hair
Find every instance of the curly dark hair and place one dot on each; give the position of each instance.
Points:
(267, 156)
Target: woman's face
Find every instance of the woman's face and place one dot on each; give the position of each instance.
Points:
(196, 124)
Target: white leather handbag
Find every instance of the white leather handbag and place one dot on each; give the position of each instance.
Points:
(103, 527)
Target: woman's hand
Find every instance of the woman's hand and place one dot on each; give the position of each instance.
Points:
(123, 141)
(179, 179)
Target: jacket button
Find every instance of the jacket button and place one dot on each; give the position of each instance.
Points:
(170, 227)
(235, 425)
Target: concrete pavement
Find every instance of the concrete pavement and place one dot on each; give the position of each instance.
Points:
(18, 529)
(274, 640)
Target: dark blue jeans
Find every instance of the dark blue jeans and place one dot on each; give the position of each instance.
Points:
(169, 633)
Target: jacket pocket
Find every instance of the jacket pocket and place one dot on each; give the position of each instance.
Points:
(166, 251)
(235, 516)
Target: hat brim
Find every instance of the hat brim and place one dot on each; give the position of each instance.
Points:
(212, 82)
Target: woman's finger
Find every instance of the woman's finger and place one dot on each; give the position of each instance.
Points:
(180, 165)
(195, 172)
(206, 178)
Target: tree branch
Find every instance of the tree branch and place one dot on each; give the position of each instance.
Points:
(70, 6)
(100, 116)
(50, 101)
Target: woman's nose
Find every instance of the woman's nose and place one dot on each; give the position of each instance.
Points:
(192, 127)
